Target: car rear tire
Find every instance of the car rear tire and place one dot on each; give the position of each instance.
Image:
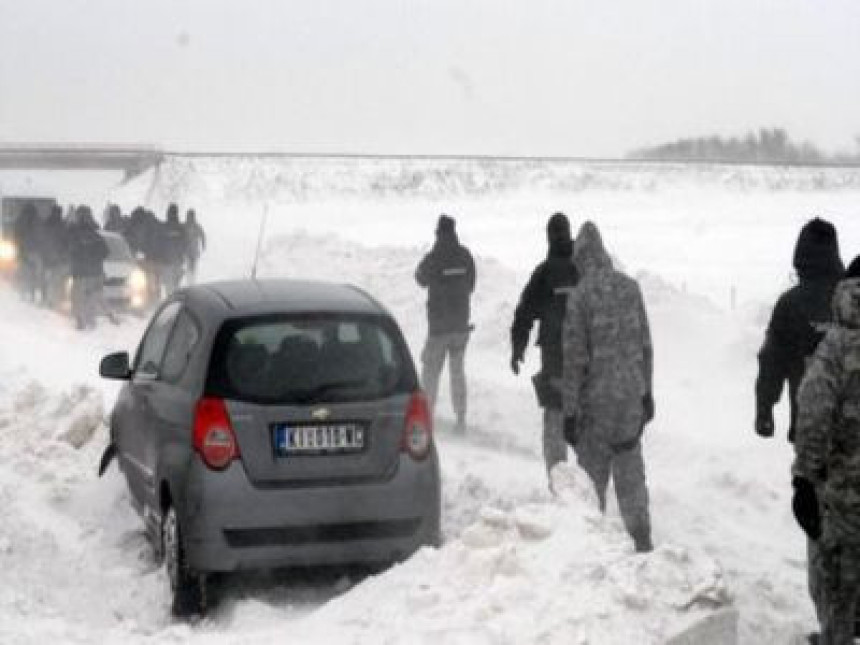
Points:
(187, 586)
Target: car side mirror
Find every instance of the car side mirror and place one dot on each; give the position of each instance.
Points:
(115, 366)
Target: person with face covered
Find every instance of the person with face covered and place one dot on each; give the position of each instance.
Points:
(607, 382)
(543, 300)
(448, 274)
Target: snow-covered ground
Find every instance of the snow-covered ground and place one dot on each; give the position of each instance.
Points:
(518, 566)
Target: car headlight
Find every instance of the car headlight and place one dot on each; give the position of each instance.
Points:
(8, 252)
(137, 280)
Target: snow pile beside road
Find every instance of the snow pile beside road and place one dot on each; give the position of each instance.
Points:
(72, 557)
(260, 178)
(546, 571)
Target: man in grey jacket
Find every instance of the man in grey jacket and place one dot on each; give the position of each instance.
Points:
(448, 274)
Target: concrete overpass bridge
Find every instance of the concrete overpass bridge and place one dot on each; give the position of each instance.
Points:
(130, 159)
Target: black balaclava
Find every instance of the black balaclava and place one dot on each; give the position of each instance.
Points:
(816, 254)
(558, 236)
(853, 268)
(446, 229)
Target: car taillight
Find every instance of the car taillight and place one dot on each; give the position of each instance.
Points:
(418, 433)
(214, 438)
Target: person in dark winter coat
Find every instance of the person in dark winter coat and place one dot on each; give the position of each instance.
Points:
(55, 256)
(115, 222)
(175, 246)
(88, 251)
(544, 300)
(826, 470)
(196, 240)
(146, 238)
(25, 233)
(448, 274)
(799, 320)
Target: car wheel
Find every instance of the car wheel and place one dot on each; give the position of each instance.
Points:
(186, 586)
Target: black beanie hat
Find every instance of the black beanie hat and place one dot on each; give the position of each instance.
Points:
(445, 224)
(816, 254)
(558, 228)
(853, 268)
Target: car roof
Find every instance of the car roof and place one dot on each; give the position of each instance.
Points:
(236, 298)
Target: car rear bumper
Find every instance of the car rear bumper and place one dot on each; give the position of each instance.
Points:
(121, 297)
(231, 524)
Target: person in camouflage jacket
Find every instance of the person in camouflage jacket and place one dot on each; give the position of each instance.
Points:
(826, 470)
(608, 365)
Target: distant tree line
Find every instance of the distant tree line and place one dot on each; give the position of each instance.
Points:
(768, 145)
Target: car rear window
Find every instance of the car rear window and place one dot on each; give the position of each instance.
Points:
(118, 250)
(309, 359)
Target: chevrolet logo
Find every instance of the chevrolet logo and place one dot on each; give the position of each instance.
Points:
(321, 413)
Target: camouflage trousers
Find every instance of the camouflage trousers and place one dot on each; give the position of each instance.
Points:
(554, 445)
(835, 586)
(627, 470)
(437, 348)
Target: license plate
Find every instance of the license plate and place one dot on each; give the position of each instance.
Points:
(317, 439)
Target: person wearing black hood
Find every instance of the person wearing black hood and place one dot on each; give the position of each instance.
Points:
(55, 256)
(175, 245)
(799, 321)
(195, 238)
(448, 274)
(544, 299)
(88, 251)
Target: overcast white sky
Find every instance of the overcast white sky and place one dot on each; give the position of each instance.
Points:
(533, 77)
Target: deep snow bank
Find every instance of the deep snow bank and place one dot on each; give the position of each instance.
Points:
(238, 178)
(524, 568)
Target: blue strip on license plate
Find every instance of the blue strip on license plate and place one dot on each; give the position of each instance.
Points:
(317, 439)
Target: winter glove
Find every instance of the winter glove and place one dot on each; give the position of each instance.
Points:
(764, 421)
(804, 503)
(647, 408)
(516, 359)
(570, 431)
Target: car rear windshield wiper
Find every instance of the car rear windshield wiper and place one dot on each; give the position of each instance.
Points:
(313, 395)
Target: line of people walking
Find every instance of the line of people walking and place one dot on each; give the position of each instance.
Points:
(595, 384)
(61, 259)
(169, 250)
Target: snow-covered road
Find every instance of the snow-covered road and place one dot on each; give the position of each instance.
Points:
(518, 566)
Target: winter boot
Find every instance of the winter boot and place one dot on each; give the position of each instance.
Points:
(642, 541)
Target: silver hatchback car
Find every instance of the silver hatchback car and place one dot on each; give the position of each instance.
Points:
(274, 423)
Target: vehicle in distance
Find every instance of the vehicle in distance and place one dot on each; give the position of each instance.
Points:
(125, 281)
(11, 208)
(273, 424)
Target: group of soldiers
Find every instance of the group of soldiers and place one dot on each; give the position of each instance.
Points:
(595, 380)
(55, 250)
(595, 384)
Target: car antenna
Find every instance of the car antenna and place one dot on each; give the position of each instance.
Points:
(259, 241)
